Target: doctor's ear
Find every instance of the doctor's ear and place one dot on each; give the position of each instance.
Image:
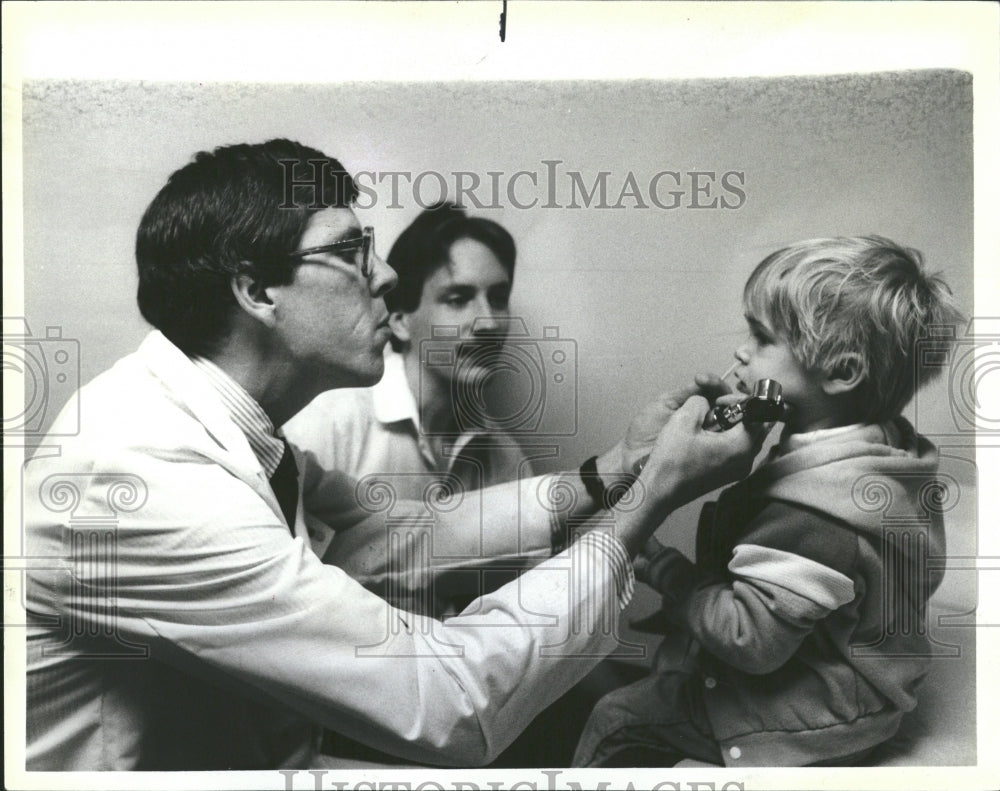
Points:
(251, 295)
(844, 375)
(399, 323)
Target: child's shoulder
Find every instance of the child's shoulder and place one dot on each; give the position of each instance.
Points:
(788, 528)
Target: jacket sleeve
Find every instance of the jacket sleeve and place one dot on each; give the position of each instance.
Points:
(205, 571)
(791, 569)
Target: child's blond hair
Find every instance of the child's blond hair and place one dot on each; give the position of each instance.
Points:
(864, 296)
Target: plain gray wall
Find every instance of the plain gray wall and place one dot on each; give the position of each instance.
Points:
(647, 296)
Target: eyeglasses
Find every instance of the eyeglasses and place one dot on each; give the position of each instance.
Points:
(365, 243)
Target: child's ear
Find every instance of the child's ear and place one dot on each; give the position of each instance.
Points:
(845, 374)
(399, 323)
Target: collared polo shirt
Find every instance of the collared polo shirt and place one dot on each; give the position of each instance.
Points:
(376, 430)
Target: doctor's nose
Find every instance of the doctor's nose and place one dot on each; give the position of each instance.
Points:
(383, 278)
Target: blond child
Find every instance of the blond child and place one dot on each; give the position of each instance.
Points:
(794, 638)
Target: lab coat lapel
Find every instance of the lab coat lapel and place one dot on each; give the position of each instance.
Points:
(179, 375)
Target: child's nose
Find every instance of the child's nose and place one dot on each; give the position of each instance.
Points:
(742, 354)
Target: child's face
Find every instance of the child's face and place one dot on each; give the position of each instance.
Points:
(767, 355)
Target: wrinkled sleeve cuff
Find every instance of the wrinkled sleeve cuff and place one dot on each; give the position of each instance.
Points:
(614, 552)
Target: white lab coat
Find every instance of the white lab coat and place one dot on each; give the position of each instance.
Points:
(175, 623)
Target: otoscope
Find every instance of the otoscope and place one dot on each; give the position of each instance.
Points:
(764, 405)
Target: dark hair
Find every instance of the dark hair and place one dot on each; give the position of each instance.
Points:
(426, 244)
(237, 209)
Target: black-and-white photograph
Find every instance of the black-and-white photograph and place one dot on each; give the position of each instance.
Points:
(570, 428)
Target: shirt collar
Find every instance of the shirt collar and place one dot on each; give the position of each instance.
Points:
(796, 441)
(392, 399)
(246, 413)
(394, 402)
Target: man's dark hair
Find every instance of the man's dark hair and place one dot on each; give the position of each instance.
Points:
(237, 209)
(426, 245)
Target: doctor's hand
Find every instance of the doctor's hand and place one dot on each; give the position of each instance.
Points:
(621, 460)
(685, 462)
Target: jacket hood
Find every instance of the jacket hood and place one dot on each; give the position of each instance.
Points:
(869, 477)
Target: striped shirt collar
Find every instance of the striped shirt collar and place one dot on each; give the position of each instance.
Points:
(247, 414)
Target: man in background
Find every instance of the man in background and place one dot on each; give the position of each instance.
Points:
(423, 429)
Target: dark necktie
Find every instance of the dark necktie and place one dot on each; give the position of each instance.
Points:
(285, 485)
